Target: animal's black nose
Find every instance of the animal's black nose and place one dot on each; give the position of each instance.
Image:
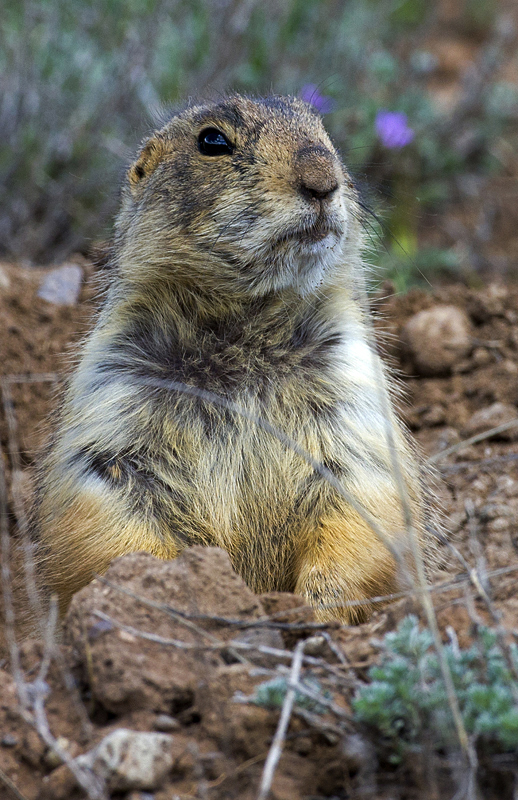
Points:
(317, 172)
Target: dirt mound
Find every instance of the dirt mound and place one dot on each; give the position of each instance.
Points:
(180, 648)
(176, 647)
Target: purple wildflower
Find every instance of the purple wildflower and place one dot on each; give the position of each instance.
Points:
(320, 102)
(392, 129)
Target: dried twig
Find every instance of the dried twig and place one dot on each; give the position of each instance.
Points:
(280, 734)
(478, 463)
(23, 527)
(184, 616)
(415, 544)
(32, 377)
(19, 508)
(92, 784)
(241, 768)
(9, 614)
(11, 786)
(181, 645)
(473, 440)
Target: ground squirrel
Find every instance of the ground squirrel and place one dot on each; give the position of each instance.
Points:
(233, 271)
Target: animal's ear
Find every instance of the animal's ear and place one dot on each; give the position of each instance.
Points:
(150, 157)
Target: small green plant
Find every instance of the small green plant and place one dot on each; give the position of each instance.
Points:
(406, 699)
(271, 694)
(427, 264)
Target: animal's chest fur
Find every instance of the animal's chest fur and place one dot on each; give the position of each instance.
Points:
(241, 455)
(223, 470)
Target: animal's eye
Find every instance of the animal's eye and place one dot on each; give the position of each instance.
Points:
(212, 142)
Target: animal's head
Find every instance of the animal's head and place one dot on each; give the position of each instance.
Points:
(245, 196)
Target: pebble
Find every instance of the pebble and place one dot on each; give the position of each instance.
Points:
(315, 645)
(489, 303)
(434, 415)
(129, 760)
(455, 521)
(257, 638)
(494, 511)
(491, 417)
(437, 338)
(62, 285)
(166, 724)
(59, 785)
(9, 740)
(5, 281)
(52, 759)
(481, 357)
(499, 524)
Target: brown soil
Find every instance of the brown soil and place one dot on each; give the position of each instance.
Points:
(195, 691)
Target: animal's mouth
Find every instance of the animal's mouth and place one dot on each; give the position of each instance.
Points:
(317, 233)
(310, 234)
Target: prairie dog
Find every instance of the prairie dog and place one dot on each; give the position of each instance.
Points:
(234, 268)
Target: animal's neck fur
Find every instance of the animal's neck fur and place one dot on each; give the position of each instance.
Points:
(192, 319)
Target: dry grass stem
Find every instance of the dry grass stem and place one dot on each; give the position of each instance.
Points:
(472, 440)
(181, 645)
(32, 377)
(6, 780)
(9, 615)
(19, 507)
(415, 544)
(92, 784)
(284, 720)
(184, 616)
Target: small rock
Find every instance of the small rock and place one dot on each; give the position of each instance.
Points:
(62, 285)
(32, 749)
(257, 638)
(166, 724)
(447, 438)
(9, 740)
(489, 303)
(491, 417)
(315, 645)
(4, 279)
(481, 356)
(493, 511)
(52, 759)
(507, 485)
(358, 753)
(434, 415)
(59, 785)
(128, 759)
(509, 366)
(499, 524)
(437, 338)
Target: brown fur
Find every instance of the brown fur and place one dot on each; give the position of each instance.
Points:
(234, 274)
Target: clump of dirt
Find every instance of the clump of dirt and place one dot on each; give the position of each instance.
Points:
(180, 647)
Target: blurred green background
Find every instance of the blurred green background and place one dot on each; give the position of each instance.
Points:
(81, 83)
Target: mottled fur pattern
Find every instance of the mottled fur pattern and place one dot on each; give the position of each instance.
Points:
(234, 274)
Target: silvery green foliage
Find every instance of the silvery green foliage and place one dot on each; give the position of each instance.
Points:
(271, 694)
(79, 83)
(406, 698)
